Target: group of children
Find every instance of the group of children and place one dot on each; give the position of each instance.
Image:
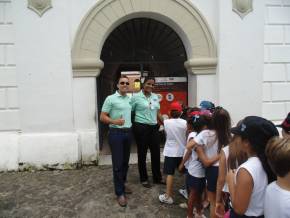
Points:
(229, 167)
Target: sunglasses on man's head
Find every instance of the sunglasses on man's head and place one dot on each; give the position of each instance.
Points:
(123, 83)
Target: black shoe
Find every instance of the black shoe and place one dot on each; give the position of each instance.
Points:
(146, 184)
(160, 182)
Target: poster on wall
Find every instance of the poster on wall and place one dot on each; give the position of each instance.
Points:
(134, 80)
(170, 89)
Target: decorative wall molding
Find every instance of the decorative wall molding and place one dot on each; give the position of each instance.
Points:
(106, 15)
(242, 7)
(39, 6)
(87, 67)
(201, 66)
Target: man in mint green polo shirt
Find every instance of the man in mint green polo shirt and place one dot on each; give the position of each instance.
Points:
(116, 112)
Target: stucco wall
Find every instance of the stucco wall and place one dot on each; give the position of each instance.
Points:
(49, 117)
(276, 78)
(9, 103)
(240, 67)
(206, 86)
(44, 68)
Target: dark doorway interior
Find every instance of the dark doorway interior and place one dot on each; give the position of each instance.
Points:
(140, 44)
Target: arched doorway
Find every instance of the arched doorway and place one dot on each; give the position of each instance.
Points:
(99, 22)
(147, 46)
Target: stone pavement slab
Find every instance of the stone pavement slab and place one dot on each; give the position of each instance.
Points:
(87, 192)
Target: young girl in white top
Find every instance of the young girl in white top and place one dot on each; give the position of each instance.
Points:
(248, 184)
(195, 178)
(175, 129)
(231, 157)
(208, 144)
(277, 199)
(183, 166)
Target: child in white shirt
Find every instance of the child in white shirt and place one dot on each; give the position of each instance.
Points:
(208, 144)
(277, 198)
(248, 184)
(195, 178)
(183, 166)
(175, 129)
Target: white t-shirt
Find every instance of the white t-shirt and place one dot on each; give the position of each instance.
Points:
(195, 167)
(175, 130)
(226, 151)
(189, 137)
(208, 139)
(256, 205)
(277, 202)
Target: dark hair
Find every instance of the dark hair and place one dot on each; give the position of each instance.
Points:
(118, 80)
(121, 77)
(175, 114)
(148, 78)
(278, 154)
(221, 123)
(270, 174)
(260, 152)
(257, 131)
(198, 122)
(236, 155)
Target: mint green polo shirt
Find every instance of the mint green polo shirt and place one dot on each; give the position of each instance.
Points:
(145, 108)
(118, 106)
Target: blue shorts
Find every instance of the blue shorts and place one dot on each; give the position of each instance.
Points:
(198, 184)
(211, 175)
(170, 164)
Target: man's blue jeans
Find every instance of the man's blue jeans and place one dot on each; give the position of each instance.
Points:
(120, 143)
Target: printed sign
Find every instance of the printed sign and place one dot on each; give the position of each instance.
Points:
(169, 97)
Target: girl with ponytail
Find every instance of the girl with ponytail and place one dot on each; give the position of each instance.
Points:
(208, 144)
(248, 184)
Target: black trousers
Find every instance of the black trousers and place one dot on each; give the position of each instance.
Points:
(120, 141)
(147, 136)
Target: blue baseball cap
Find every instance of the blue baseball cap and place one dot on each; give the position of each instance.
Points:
(206, 105)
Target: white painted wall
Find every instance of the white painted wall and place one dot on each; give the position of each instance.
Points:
(84, 92)
(85, 102)
(209, 10)
(8, 151)
(240, 66)
(44, 68)
(276, 78)
(76, 13)
(9, 103)
(205, 87)
(47, 117)
(48, 149)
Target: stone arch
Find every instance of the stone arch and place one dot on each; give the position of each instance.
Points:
(180, 15)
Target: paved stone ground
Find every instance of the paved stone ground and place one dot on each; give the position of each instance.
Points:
(87, 192)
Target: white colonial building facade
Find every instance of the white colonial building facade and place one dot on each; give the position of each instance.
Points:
(236, 54)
